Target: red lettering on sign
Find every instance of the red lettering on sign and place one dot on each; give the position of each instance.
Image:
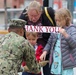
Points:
(35, 28)
(30, 28)
(47, 29)
(40, 29)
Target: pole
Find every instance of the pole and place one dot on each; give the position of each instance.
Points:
(71, 6)
(5, 7)
(45, 3)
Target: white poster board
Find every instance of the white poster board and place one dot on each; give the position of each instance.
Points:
(41, 29)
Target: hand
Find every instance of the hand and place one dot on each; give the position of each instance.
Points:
(63, 32)
(43, 56)
(26, 69)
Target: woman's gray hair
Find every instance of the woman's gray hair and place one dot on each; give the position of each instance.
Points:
(34, 5)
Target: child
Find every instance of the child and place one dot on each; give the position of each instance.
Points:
(32, 38)
(62, 46)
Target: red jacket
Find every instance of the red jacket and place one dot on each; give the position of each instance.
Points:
(38, 52)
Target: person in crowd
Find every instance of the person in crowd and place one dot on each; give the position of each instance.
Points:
(35, 15)
(62, 46)
(14, 48)
(32, 38)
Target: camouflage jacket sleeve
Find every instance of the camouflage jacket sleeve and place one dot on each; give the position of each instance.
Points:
(29, 57)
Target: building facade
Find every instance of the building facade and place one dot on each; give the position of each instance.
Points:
(15, 8)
